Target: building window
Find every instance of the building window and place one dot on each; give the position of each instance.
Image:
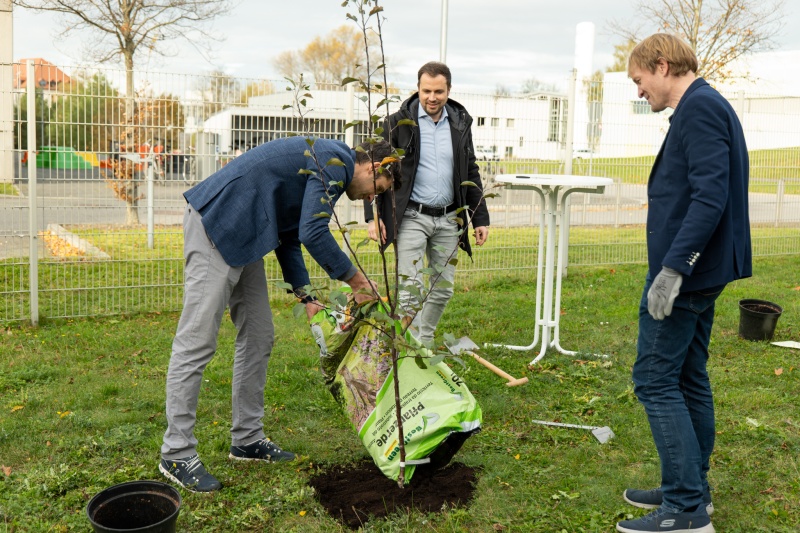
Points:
(509, 123)
(556, 128)
(641, 107)
(509, 152)
(521, 140)
(495, 122)
(481, 121)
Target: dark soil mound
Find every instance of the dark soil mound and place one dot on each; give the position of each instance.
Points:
(355, 494)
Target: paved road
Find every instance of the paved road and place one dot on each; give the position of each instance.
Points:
(76, 197)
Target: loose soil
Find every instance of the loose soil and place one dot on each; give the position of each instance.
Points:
(358, 493)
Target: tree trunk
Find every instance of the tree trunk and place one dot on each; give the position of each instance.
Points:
(132, 213)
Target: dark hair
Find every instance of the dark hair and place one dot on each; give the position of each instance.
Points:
(433, 69)
(379, 151)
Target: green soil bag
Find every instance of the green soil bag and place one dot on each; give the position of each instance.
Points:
(439, 412)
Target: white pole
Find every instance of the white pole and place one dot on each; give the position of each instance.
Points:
(349, 139)
(584, 50)
(571, 105)
(443, 43)
(6, 92)
(564, 218)
(150, 178)
(33, 224)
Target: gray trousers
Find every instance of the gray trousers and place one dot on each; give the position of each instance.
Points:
(210, 286)
(420, 238)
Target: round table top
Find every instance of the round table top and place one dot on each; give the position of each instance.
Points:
(555, 180)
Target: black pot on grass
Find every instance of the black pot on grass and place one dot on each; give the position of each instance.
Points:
(136, 506)
(757, 319)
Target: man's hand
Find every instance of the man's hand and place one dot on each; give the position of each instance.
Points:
(662, 293)
(312, 308)
(372, 230)
(363, 288)
(481, 234)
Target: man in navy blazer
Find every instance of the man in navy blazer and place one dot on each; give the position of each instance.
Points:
(265, 200)
(698, 240)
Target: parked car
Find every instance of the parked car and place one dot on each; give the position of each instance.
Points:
(484, 154)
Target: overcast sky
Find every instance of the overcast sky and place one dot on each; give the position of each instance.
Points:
(490, 43)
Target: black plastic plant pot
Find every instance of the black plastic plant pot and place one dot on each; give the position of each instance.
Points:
(757, 319)
(136, 506)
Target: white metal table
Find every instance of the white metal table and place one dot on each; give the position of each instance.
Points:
(553, 191)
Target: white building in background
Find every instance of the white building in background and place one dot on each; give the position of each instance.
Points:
(533, 126)
(523, 127)
(631, 129)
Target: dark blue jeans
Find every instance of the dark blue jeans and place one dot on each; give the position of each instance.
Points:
(671, 381)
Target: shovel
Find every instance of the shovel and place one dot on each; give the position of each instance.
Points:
(465, 345)
(603, 434)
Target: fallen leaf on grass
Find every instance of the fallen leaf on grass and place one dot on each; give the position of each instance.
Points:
(498, 527)
(59, 247)
(17, 408)
(753, 422)
(778, 371)
(6, 470)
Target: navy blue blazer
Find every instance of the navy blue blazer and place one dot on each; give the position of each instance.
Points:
(259, 202)
(698, 221)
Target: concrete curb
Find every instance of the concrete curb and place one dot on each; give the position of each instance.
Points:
(73, 240)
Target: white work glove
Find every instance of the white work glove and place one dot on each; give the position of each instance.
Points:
(662, 293)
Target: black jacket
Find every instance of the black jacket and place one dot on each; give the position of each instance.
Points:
(406, 137)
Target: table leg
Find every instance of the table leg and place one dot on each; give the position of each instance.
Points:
(548, 321)
(538, 322)
(562, 252)
(563, 238)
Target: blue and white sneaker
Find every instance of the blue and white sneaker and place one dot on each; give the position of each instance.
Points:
(662, 520)
(260, 450)
(652, 499)
(190, 474)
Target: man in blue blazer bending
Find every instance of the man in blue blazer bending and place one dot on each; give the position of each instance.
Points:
(698, 240)
(264, 200)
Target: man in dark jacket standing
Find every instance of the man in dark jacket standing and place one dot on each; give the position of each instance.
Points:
(265, 200)
(439, 158)
(698, 240)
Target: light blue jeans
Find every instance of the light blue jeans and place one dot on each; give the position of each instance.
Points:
(210, 286)
(671, 381)
(424, 241)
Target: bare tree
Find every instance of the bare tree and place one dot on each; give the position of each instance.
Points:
(122, 27)
(534, 85)
(331, 58)
(502, 90)
(218, 91)
(719, 31)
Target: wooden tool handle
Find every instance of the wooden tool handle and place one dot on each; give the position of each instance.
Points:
(491, 367)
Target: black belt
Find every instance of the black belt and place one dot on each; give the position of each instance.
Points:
(431, 210)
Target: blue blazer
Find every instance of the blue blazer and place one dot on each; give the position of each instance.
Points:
(698, 221)
(259, 202)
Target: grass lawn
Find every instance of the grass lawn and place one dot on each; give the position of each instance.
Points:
(82, 401)
(766, 168)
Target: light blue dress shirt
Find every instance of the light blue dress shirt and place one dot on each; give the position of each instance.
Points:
(433, 184)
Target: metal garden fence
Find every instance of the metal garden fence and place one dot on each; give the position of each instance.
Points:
(91, 181)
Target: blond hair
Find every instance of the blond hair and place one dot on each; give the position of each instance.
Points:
(678, 55)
